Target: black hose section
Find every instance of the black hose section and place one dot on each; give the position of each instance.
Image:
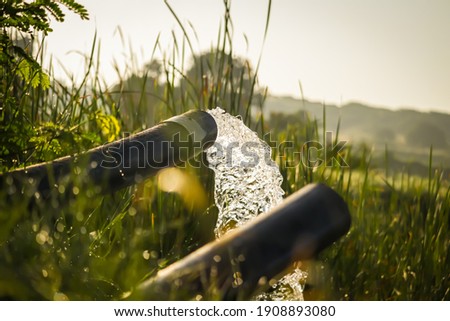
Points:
(122, 163)
(245, 260)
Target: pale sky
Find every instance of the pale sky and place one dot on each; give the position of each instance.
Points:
(391, 53)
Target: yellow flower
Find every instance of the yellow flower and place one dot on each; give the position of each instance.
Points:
(109, 126)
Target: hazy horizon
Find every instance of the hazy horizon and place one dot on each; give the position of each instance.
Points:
(381, 53)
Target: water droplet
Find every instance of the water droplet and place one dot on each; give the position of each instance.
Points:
(42, 237)
(132, 211)
(61, 189)
(60, 227)
(93, 235)
(237, 279)
(59, 296)
(262, 281)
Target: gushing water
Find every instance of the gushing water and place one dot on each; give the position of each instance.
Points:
(247, 183)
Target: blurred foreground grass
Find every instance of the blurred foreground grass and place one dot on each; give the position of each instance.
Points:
(93, 247)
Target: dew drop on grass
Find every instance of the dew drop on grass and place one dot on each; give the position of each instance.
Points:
(132, 211)
(42, 237)
(77, 170)
(59, 296)
(247, 183)
(61, 189)
(60, 227)
(75, 190)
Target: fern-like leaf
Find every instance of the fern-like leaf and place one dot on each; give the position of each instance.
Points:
(54, 10)
(76, 7)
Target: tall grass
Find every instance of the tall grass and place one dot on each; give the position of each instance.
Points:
(398, 245)
(91, 247)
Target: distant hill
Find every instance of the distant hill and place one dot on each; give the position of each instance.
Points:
(407, 133)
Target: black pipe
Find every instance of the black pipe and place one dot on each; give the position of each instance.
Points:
(245, 260)
(124, 162)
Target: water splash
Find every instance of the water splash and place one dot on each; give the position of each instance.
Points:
(247, 180)
(288, 288)
(247, 183)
